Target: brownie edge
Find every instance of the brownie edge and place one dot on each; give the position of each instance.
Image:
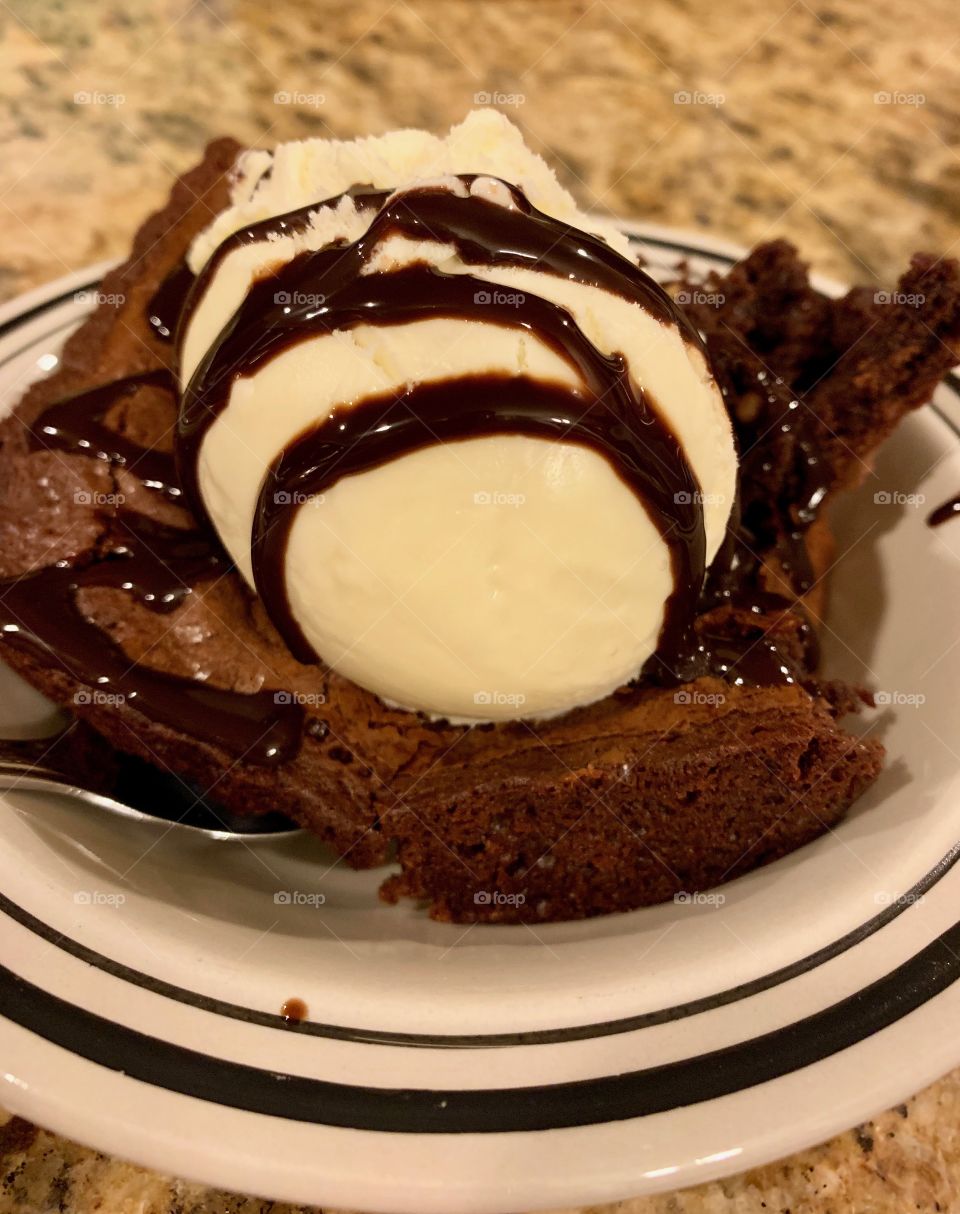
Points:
(686, 800)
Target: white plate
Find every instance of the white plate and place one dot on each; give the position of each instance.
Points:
(500, 1068)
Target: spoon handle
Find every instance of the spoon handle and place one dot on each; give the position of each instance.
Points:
(135, 792)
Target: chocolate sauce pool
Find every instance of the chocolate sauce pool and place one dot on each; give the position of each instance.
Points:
(157, 565)
(609, 413)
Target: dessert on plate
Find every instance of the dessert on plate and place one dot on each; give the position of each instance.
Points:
(397, 496)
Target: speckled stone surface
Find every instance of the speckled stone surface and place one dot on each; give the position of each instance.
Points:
(834, 123)
(900, 1163)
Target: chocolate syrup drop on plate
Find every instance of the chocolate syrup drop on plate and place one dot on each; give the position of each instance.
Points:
(609, 413)
(294, 1011)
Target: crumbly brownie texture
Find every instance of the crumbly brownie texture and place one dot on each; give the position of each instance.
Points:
(624, 803)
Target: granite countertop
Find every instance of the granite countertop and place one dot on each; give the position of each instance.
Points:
(832, 122)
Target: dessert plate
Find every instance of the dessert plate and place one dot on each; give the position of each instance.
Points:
(252, 1017)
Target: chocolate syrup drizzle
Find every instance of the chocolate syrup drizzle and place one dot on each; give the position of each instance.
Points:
(76, 425)
(766, 527)
(157, 565)
(166, 304)
(944, 513)
(609, 413)
(365, 197)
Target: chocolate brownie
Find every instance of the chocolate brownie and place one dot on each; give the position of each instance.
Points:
(674, 784)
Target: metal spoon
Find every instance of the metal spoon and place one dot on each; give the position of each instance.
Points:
(139, 792)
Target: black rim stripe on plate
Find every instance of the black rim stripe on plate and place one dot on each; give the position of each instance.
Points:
(533, 1037)
(582, 1102)
(582, 1032)
(22, 318)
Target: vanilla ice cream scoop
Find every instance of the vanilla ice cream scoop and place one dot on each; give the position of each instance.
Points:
(468, 454)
